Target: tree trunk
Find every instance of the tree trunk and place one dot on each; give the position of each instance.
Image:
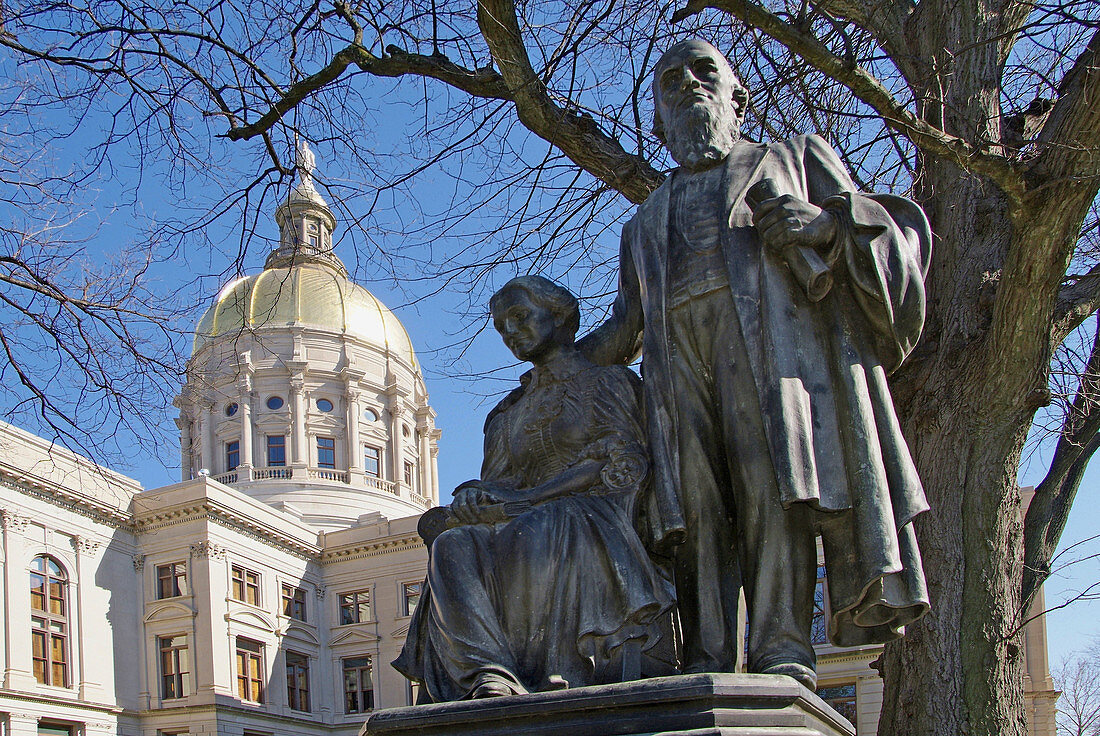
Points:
(959, 670)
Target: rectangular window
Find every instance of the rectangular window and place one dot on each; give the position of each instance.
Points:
(276, 450)
(171, 580)
(55, 729)
(246, 585)
(250, 670)
(173, 667)
(819, 626)
(294, 602)
(372, 461)
(358, 686)
(297, 681)
(410, 596)
(408, 474)
(326, 453)
(232, 455)
(412, 692)
(842, 698)
(355, 607)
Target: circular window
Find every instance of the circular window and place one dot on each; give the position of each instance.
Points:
(275, 402)
(371, 415)
(324, 405)
(405, 430)
(230, 409)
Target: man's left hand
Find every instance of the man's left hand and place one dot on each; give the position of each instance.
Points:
(786, 220)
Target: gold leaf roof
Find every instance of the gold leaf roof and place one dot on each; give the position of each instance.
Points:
(308, 294)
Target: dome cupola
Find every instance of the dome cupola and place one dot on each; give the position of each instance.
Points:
(303, 389)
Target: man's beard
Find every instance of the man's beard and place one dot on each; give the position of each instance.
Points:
(703, 134)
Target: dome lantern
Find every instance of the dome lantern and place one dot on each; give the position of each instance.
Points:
(306, 223)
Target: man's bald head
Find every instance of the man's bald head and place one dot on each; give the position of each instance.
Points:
(699, 103)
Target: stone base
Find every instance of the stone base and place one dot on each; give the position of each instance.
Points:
(684, 705)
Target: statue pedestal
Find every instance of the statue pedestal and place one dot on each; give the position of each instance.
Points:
(684, 705)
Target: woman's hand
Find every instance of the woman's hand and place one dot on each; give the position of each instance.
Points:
(472, 498)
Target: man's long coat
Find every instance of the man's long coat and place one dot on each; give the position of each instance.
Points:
(819, 370)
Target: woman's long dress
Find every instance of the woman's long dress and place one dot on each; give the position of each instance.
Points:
(554, 590)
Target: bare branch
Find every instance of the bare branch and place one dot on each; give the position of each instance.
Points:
(1076, 301)
(483, 83)
(885, 20)
(1049, 510)
(1069, 142)
(576, 135)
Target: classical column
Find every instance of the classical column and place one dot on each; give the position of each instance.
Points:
(16, 591)
(187, 463)
(355, 452)
(299, 450)
(208, 459)
(434, 495)
(148, 679)
(83, 547)
(424, 464)
(244, 408)
(397, 442)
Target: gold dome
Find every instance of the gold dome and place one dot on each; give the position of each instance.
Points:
(309, 294)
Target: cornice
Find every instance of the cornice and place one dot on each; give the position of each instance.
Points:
(371, 549)
(62, 497)
(54, 701)
(207, 510)
(862, 654)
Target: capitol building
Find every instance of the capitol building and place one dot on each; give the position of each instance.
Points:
(266, 593)
(268, 590)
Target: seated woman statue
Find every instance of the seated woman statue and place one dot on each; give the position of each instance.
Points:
(540, 578)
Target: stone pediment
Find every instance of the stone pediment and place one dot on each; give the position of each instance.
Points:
(300, 633)
(401, 633)
(167, 610)
(352, 637)
(255, 619)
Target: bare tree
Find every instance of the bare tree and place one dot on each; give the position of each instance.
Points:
(1079, 704)
(534, 119)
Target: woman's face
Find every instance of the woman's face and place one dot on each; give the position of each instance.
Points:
(528, 328)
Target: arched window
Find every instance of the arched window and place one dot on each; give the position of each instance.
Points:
(50, 622)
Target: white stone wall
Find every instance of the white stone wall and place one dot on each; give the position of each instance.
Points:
(41, 516)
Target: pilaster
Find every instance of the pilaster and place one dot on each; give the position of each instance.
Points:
(17, 603)
(84, 549)
(22, 724)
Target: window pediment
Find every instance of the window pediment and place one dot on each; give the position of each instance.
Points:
(167, 610)
(354, 637)
(297, 632)
(247, 617)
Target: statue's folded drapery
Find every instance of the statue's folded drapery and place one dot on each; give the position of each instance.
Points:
(555, 589)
